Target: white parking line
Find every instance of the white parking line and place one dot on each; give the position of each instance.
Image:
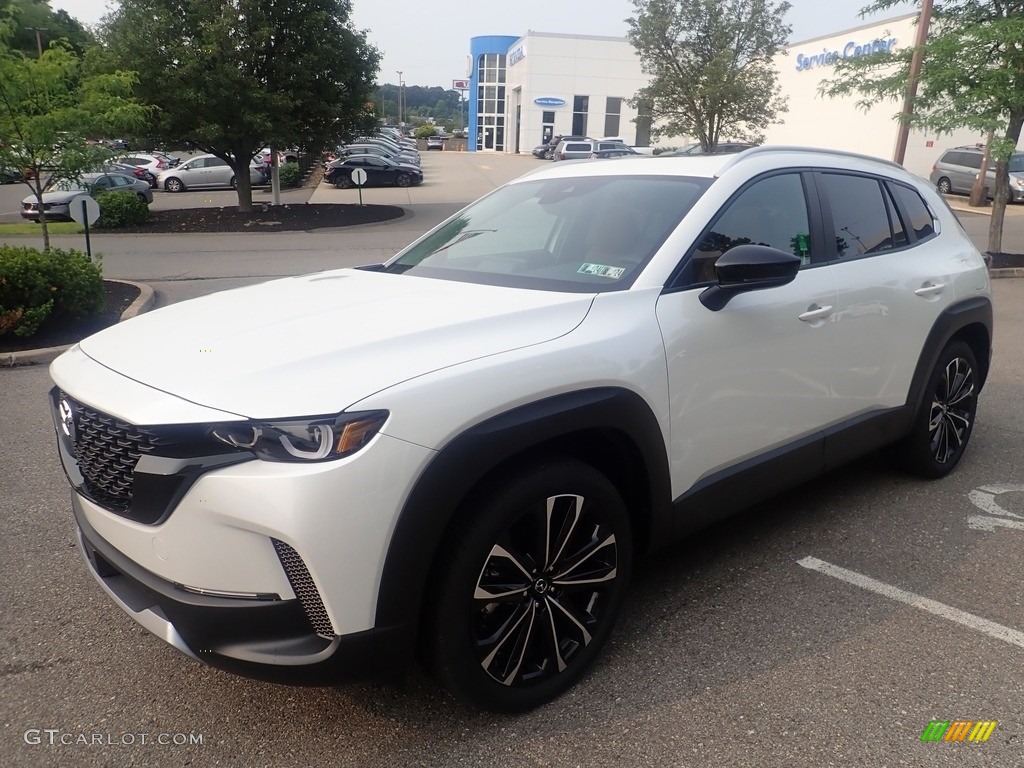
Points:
(990, 628)
(982, 523)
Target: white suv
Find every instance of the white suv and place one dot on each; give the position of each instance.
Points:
(459, 453)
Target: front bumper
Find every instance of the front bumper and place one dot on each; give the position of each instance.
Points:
(266, 638)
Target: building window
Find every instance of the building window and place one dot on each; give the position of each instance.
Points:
(643, 124)
(613, 110)
(491, 102)
(580, 107)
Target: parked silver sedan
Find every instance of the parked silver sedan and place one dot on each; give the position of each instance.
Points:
(58, 195)
(205, 172)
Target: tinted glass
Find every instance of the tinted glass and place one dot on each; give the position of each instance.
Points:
(1016, 163)
(770, 212)
(589, 235)
(918, 217)
(859, 215)
(971, 159)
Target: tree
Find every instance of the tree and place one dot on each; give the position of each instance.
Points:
(231, 76)
(35, 17)
(972, 76)
(711, 66)
(47, 111)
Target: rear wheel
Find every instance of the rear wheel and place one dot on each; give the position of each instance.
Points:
(528, 590)
(945, 421)
(233, 183)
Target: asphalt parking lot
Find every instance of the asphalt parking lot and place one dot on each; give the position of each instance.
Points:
(827, 627)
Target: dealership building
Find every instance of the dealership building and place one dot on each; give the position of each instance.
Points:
(523, 90)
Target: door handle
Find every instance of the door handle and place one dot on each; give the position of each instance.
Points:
(815, 312)
(930, 289)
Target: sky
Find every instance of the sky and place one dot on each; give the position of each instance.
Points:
(429, 43)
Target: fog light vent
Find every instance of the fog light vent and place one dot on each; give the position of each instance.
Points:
(305, 588)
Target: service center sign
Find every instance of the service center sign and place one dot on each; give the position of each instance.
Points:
(549, 101)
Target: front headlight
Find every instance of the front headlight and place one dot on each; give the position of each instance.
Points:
(320, 438)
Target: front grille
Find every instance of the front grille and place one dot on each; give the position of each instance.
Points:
(107, 451)
(305, 588)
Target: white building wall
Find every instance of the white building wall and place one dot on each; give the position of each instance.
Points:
(838, 123)
(545, 65)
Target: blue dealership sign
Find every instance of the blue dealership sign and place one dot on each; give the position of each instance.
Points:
(549, 101)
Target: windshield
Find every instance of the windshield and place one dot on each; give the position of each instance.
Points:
(590, 234)
(66, 185)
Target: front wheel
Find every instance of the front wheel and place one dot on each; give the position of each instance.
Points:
(174, 185)
(529, 588)
(945, 421)
(142, 197)
(343, 182)
(944, 186)
(233, 183)
(403, 180)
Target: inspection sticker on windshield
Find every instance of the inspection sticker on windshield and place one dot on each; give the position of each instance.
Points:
(600, 270)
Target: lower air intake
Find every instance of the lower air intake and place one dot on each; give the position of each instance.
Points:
(305, 589)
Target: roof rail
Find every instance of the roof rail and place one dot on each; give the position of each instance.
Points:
(774, 148)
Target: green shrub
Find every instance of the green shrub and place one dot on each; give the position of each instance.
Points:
(35, 286)
(121, 209)
(425, 130)
(290, 174)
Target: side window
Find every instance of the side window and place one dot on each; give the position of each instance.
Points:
(772, 212)
(199, 162)
(919, 218)
(215, 162)
(860, 216)
(972, 160)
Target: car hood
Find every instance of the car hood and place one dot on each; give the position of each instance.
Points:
(60, 196)
(316, 344)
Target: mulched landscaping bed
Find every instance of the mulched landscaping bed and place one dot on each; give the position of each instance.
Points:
(1006, 260)
(282, 218)
(55, 333)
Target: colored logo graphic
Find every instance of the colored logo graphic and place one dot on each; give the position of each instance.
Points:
(958, 730)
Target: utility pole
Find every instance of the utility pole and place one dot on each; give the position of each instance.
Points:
(399, 98)
(39, 40)
(923, 21)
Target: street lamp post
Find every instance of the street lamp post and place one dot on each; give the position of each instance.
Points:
(399, 98)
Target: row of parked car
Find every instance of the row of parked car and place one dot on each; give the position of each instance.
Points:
(387, 158)
(584, 147)
(142, 172)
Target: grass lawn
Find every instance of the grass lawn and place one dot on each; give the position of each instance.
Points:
(31, 228)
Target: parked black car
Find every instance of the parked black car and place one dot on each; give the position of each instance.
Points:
(379, 172)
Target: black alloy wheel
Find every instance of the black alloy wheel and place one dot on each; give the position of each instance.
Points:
(943, 427)
(528, 591)
(341, 181)
(403, 180)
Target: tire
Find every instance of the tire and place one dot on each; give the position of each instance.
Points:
(343, 182)
(507, 629)
(142, 197)
(174, 185)
(942, 428)
(944, 186)
(403, 180)
(233, 184)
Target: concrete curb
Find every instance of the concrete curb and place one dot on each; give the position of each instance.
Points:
(1006, 272)
(143, 303)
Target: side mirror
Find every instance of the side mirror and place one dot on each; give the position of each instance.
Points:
(749, 268)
